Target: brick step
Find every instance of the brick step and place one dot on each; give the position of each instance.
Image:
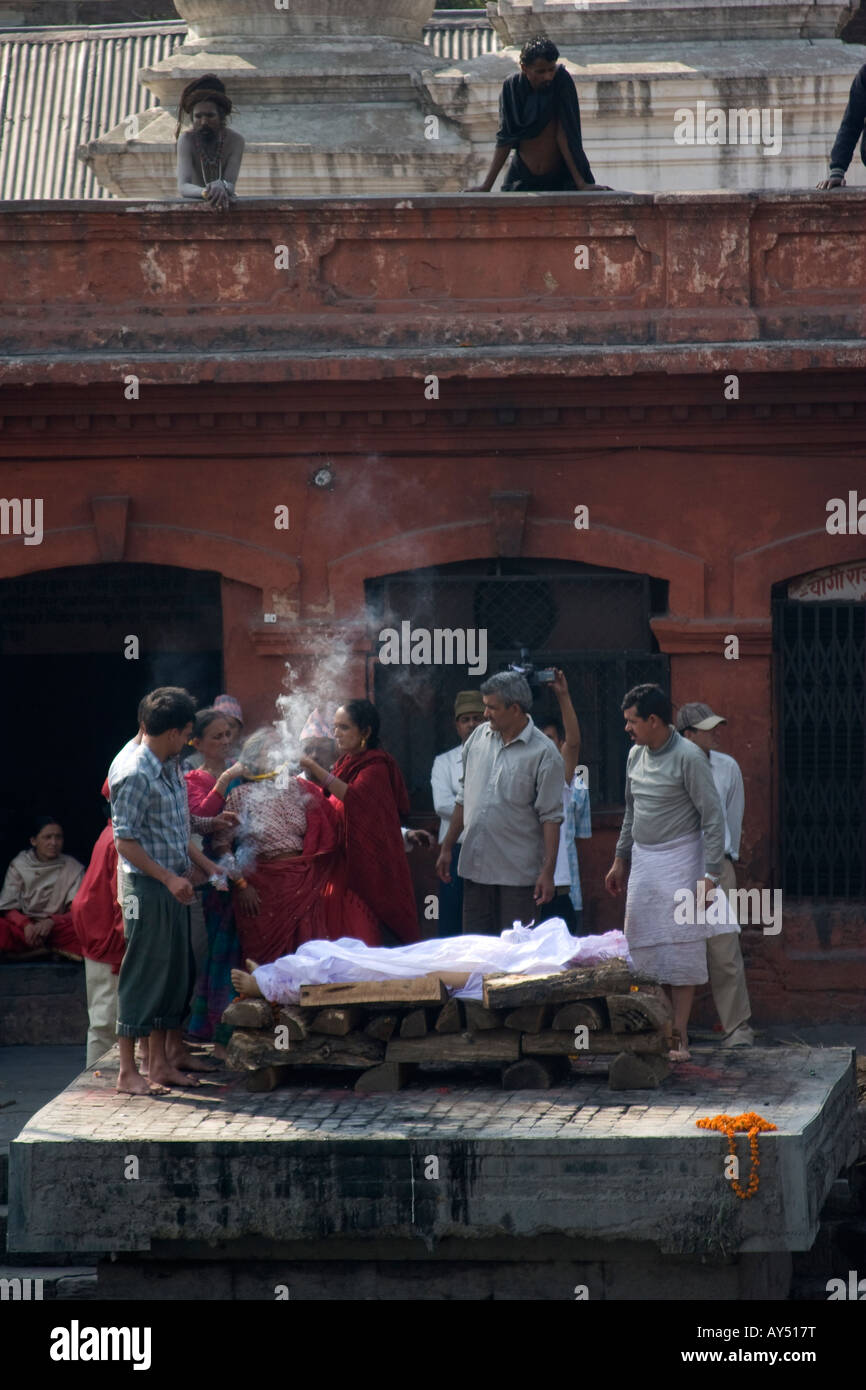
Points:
(18, 1283)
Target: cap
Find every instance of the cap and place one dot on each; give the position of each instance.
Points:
(697, 716)
(227, 704)
(468, 702)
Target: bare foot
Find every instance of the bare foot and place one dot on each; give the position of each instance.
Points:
(132, 1084)
(170, 1076)
(680, 1050)
(220, 1052)
(245, 983)
(189, 1061)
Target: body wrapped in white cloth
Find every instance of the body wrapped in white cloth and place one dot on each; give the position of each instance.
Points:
(540, 950)
(661, 940)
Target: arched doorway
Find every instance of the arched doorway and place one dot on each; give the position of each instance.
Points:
(591, 621)
(71, 691)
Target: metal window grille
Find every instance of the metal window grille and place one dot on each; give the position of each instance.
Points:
(820, 664)
(595, 626)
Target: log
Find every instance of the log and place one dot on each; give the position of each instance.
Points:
(530, 1019)
(415, 1024)
(418, 991)
(354, 1050)
(450, 1018)
(336, 1022)
(551, 1043)
(297, 1021)
(636, 1013)
(265, 1078)
(479, 1017)
(497, 1045)
(628, 1072)
(588, 982)
(248, 1013)
(250, 1051)
(587, 1013)
(388, 1076)
(382, 1026)
(532, 1074)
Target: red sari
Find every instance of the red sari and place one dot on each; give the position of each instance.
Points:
(376, 802)
(305, 898)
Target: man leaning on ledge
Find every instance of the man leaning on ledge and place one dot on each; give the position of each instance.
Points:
(208, 156)
(539, 118)
(850, 131)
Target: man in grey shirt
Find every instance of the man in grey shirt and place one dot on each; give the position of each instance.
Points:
(510, 804)
(673, 835)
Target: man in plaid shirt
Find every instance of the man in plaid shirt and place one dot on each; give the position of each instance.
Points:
(150, 816)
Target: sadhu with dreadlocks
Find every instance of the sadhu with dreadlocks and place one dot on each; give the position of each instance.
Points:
(208, 156)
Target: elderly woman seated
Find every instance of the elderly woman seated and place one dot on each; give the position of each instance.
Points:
(39, 886)
(288, 846)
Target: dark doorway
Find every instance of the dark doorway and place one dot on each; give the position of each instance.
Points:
(820, 657)
(592, 622)
(71, 693)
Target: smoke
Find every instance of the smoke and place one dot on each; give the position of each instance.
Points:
(323, 693)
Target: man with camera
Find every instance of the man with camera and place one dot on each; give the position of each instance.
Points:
(510, 806)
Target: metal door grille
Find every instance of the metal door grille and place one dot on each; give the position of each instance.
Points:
(820, 662)
(595, 626)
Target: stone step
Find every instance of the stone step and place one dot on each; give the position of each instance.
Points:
(4, 1172)
(42, 1003)
(21, 1283)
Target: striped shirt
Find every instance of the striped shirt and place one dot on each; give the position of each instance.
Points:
(149, 804)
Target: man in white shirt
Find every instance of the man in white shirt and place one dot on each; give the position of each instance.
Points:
(698, 723)
(445, 781)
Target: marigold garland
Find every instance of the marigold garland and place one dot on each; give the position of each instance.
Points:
(732, 1124)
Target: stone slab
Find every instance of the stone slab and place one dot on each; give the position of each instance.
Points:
(42, 1004)
(219, 1166)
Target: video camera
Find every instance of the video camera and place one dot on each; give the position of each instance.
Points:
(534, 675)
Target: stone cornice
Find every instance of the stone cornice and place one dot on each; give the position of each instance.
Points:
(447, 285)
(690, 636)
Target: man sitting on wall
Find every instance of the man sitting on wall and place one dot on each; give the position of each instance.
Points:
(539, 118)
(208, 156)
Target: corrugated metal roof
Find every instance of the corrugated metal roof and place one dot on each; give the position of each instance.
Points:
(61, 87)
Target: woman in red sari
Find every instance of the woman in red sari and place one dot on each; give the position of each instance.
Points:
(372, 800)
(289, 849)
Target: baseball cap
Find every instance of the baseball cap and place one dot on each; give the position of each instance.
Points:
(697, 716)
(468, 702)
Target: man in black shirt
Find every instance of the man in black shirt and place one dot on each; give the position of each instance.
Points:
(848, 134)
(539, 118)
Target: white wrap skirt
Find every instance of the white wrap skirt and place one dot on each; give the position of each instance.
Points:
(660, 943)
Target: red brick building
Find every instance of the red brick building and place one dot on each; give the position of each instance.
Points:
(432, 387)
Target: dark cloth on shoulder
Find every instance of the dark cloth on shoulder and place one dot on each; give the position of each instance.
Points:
(852, 127)
(524, 113)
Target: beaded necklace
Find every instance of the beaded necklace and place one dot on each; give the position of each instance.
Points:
(211, 164)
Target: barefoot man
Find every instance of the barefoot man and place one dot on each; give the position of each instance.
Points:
(539, 118)
(208, 156)
(150, 817)
(673, 835)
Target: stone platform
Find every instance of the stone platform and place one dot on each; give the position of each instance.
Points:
(577, 1180)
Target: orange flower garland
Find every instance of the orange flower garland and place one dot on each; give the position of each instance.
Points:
(732, 1124)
